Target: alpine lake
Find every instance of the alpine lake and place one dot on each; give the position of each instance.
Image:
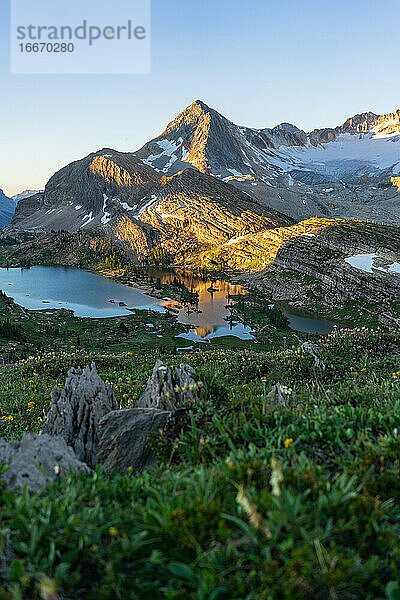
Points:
(206, 313)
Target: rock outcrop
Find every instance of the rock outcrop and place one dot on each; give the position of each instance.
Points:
(312, 349)
(84, 428)
(85, 414)
(167, 389)
(280, 397)
(37, 460)
(123, 435)
(313, 271)
(76, 410)
(124, 438)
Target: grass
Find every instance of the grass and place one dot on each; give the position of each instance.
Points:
(23, 332)
(270, 325)
(356, 311)
(248, 502)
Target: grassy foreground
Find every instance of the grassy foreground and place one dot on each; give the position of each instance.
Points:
(248, 502)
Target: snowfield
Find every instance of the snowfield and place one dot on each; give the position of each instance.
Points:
(365, 262)
(168, 152)
(348, 154)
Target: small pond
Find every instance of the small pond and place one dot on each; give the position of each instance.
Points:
(301, 321)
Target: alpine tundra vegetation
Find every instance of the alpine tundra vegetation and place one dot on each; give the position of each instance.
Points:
(250, 498)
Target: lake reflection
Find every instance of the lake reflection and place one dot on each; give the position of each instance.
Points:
(208, 320)
(300, 321)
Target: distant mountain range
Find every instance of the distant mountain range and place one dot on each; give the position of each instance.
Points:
(8, 205)
(25, 194)
(7, 209)
(345, 171)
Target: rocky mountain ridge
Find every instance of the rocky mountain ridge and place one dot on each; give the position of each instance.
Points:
(25, 194)
(343, 171)
(210, 192)
(346, 171)
(345, 263)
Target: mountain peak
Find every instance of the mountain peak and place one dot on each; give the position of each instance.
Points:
(366, 122)
(200, 104)
(287, 128)
(362, 122)
(194, 113)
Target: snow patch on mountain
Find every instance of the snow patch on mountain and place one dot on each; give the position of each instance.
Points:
(234, 240)
(87, 219)
(147, 205)
(348, 154)
(164, 215)
(127, 207)
(366, 263)
(106, 215)
(168, 152)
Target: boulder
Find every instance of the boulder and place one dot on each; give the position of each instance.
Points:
(312, 349)
(280, 396)
(85, 414)
(37, 460)
(167, 389)
(123, 438)
(76, 410)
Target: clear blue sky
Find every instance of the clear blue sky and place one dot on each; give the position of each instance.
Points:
(309, 62)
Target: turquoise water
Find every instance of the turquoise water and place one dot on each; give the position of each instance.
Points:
(300, 321)
(83, 292)
(89, 295)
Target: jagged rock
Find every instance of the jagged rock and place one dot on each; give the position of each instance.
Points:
(280, 396)
(124, 434)
(313, 349)
(167, 389)
(76, 411)
(37, 460)
(85, 415)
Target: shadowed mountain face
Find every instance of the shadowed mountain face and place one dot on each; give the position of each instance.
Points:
(7, 209)
(207, 140)
(77, 195)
